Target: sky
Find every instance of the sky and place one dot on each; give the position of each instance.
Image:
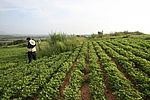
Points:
(74, 16)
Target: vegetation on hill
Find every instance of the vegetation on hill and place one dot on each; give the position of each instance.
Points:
(112, 66)
(15, 42)
(108, 69)
(8, 40)
(58, 43)
(124, 34)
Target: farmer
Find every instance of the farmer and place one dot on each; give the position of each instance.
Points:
(31, 49)
(39, 44)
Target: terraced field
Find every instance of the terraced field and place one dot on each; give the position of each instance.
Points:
(95, 70)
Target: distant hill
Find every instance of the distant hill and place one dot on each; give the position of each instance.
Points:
(10, 38)
(3, 33)
(10, 34)
(126, 34)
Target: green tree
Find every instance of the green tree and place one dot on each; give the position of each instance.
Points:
(100, 33)
(94, 35)
(54, 38)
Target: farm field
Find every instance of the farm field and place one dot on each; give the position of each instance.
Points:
(117, 69)
(12, 56)
(15, 55)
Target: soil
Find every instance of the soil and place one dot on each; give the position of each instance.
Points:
(66, 82)
(122, 71)
(85, 94)
(108, 93)
(125, 74)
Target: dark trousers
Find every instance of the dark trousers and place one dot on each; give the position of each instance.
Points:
(31, 55)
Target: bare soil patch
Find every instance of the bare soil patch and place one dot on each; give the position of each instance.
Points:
(66, 81)
(85, 93)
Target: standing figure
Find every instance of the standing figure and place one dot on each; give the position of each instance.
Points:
(31, 49)
(39, 44)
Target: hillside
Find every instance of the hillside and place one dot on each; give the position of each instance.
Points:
(126, 34)
(11, 38)
(104, 69)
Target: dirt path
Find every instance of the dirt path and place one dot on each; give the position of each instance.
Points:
(125, 74)
(85, 94)
(108, 93)
(121, 69)
(66, 81)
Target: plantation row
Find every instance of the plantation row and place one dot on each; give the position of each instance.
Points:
(116, 68)
(12, 56)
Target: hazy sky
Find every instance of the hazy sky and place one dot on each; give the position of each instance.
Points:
(74, 16)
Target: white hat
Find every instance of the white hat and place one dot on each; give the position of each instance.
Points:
(32, 42)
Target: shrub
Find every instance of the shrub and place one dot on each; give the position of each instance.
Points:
(58, 43)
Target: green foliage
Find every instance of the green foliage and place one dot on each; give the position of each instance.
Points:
(94, 36)
(126, 33)
(18, 42)
(15, 42)
(43, 78)
(12, 55)
(72, 94)
(54, 38)
(100, 34)
(59, 43)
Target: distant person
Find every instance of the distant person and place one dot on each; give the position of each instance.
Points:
(39, 41)
(39, 44)
(31, 49)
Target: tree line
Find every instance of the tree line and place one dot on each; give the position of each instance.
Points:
(15, 42)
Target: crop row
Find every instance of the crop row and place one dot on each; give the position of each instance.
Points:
(138, 44)
(25, 81)
(121, 86)
(97, 86)
(138, 77)
(43, 78)
(138, 60)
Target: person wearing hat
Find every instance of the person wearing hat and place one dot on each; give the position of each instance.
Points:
(31, 49)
